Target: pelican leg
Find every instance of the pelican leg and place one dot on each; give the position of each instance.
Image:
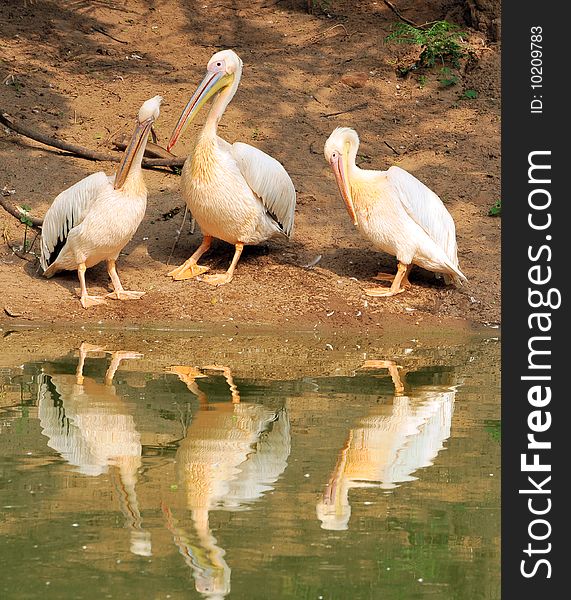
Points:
(85, 299)
(388, 277)
(383, 277)
(116, 358)
(402, 273)
(393, 368)
(190, 268)
(229, 380)
(84, 349)
(119, 293)
(405, 282)
(222, 278)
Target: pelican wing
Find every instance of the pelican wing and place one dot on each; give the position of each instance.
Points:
(269, 181)
(426, 209)
(67, 211)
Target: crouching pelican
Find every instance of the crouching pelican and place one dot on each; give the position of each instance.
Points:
(235, 192)
(397, 212)
(94, 219)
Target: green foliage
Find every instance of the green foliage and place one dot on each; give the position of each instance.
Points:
(471, 94)
(447, 77)
(315, 6)
(422, 80)
(494, 429)
(440, 42)
(25, 217)
(496, 209)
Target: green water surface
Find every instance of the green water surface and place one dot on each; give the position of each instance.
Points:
(221, 477)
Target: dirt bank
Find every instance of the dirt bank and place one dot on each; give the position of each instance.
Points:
(80, 73)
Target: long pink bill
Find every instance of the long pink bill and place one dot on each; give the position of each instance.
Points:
(343, 185)
(138, 138)
(209, 85)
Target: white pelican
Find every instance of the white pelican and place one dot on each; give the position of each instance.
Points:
(92, 427)
(397, 212)
(232, 453)
(387, 446)
(94, 219)
(235, 192)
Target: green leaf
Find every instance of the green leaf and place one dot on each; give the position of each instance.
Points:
(496, 209)
(471, 94)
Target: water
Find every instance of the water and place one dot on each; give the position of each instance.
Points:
(248, 467)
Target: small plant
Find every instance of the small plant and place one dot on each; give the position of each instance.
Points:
(447, 77)
(471, 94)
(440, 42)
(494, 429)
(421, 81)
(25, 218)
(496, 209)
(14, 82)
(314, 6)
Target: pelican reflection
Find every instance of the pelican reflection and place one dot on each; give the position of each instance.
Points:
(92, 428)
(233, 452)
(386, 447)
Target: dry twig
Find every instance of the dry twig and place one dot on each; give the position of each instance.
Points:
(19, 212)
(80, 151)
(347, 110)
(395, 151)
(397, 13)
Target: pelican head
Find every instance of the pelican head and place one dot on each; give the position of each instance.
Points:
(148, 114)
(340, 151)
(223, 71)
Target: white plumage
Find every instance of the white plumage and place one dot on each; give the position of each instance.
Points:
(231, 455)
(235, 192)
(95, 218)
(92, 428)
(397, 212)
(386, 448)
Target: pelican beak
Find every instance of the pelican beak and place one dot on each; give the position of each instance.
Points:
(138, 139)
(340, 170)
(212, 83)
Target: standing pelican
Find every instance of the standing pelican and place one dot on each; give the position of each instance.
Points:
(94, 219)
(235, 192)
(92, 427)
(231, 455)
(397, 212)
(387, 446)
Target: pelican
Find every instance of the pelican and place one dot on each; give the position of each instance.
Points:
(386, 447)
(397, 212)
(92, 427)
(235, 192)
(94, 219)
(232, 454)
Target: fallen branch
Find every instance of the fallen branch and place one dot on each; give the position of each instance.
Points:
(19, 213)
(397, 13)
(347, 110)
(80, 151)
(389, 146)
(15, 251)
(101, 30)
(152, 150)
(315, 38)
(178, 235)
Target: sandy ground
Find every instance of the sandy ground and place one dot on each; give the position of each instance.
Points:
(80, 70)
